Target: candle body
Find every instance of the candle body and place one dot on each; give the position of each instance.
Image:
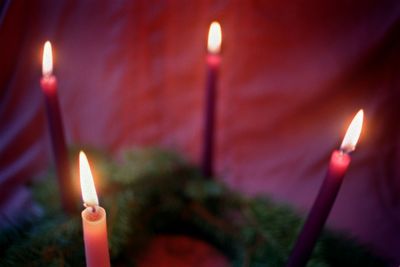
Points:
(60, 152)
(95, 237)
(320, 210)
(213, 63)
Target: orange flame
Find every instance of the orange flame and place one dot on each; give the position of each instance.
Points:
(214, 38)
(353, 133)
(47, 63)
(89, 194)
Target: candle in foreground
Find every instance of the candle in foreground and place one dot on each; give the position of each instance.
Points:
(213, 63)
(93, 219)
(339, 163)
(56, 129)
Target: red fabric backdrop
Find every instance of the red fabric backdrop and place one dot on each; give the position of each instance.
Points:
(131, 73)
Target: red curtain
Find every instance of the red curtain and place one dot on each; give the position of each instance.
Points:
(132, 73)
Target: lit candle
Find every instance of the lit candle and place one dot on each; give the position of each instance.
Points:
(213, 63)
(339, 163)
(93, 219)
(60, 152)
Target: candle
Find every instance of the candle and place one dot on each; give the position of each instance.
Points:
(60, 152)
(93, 219)
(213, 63)
(339, 163)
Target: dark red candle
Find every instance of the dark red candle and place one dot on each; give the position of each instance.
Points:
(213, 63)
(56, 129)
(339, 163)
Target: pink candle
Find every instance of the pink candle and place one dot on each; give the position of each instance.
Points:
(213, 63)
(338, 165)
(93, 220)
(60, 152)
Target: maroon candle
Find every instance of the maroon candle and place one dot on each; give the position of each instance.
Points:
(213, 63)
(339, 163)
(60, 152)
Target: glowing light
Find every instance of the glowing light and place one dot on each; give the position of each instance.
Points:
(89, 194)
(214, 38)
(47, 63)
(353, 133)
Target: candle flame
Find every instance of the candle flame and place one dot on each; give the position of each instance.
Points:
(353, 133)
(214, 38)
(47, 63)
(89, 194)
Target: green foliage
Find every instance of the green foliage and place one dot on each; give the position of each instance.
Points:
(153, 191)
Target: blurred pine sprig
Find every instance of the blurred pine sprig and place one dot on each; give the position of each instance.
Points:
(155, 191)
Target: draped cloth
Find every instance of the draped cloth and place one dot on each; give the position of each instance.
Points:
(293, 73)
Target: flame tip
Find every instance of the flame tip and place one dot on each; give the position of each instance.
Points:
(47, 62)
(214, 38)
(353, 133)
(89, 194)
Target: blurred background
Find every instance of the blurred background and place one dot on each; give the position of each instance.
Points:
(293, 74)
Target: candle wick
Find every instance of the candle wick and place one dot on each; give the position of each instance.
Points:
(345, 150)
(92, 207)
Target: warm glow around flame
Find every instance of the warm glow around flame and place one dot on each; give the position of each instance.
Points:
(87, 185)
(47, 64)
(353, 133)
(214, 38)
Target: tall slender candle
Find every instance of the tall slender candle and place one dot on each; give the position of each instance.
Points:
(213, 63)
(93, 219)
(339, 163)
(60, 152)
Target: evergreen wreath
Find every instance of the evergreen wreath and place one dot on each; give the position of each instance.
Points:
(153, 191)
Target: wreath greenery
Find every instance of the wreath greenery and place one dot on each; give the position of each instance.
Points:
(153, 191)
